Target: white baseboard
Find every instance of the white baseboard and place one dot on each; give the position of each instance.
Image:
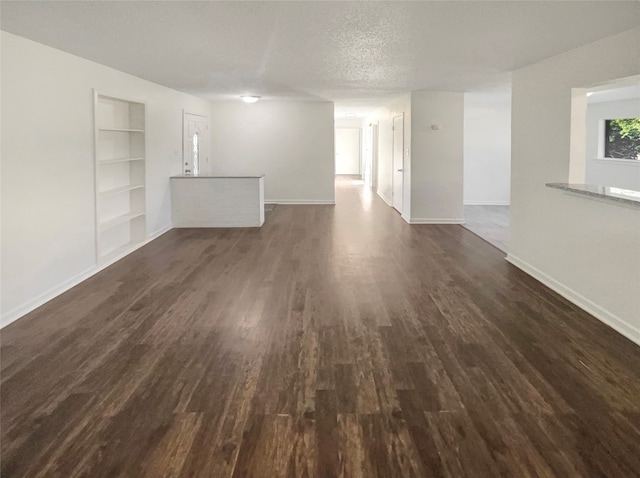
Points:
(487, 203)
(300, 201)
(435, 220)
(159, 233)
(23, 309)
(32, 304)
(600, 313)
(384, 198)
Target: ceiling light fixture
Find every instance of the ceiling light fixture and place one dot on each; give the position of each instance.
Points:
(250, 99)
(349, 115)
(590, 93)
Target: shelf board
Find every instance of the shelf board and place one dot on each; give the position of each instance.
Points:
(122, 130)
(116, 221)
(121, 189)
(119, 160)
(118, 251)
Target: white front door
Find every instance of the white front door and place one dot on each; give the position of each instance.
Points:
(195, 140)
(398, 162)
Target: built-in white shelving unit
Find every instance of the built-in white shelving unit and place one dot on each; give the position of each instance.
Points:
(120, 176)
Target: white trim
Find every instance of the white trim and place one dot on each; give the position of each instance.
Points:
(185, 112)
(123, 99)
(384, 198)
(159, 232)
(29, 306)
(487, 203)
(605, 316)
(23, 309)
(435, 220)
(300, 201)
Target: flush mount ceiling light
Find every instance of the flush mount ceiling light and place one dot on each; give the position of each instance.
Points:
(250, 99)
(349, 115)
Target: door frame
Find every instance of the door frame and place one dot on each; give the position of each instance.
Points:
(374, 155)
(393, 166)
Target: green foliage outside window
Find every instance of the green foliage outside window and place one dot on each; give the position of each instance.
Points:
(623, 138)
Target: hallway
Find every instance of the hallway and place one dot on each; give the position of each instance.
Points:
(333, 341)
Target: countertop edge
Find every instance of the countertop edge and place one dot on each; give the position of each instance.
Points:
(598, 191)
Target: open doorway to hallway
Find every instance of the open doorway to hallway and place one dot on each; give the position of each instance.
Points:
(374, 119)
(487, 164)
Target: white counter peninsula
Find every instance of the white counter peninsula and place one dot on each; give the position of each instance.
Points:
(217, 201)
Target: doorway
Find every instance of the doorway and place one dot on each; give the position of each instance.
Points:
(195, 140)
(487, 164)
(398, 163)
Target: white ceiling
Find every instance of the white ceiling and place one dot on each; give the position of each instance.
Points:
(318, 50)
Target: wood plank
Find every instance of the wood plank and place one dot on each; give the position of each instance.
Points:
(335, 341)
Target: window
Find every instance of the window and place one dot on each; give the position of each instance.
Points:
(622, 138)
(196, 154)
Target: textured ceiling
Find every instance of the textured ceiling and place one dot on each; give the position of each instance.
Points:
(318, 50)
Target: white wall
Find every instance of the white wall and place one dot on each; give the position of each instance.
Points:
(343, 122)
(487, 147)
(347, 150)
(292, 143)
(432, 159)
(587, 250)
(436, 157)
(349, 123)
(48, 217)
(610, 172)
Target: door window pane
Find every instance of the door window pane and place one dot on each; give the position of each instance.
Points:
(196, 153)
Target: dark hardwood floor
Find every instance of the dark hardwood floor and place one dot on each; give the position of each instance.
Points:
(332, 342)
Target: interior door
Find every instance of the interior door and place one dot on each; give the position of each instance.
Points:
(195, 140)
(398, 162)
